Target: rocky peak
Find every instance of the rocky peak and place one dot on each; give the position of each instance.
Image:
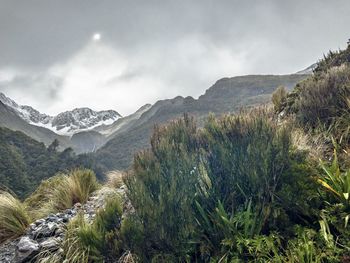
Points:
(65, 123)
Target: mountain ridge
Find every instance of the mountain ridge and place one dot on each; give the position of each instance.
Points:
(226, 95)
(65, 123)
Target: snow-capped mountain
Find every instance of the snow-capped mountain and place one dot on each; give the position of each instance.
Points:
(65, 123)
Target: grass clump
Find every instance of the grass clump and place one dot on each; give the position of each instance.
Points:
(74, 187)
(93, 242)
(115, 179)
(14, 218)
(62, 192)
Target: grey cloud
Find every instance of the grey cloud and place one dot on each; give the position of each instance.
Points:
(38, 90)
(161, 40)
(41, 32)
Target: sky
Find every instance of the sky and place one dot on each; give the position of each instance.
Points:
(117, 54)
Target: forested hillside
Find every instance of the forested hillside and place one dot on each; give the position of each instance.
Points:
(25, 162)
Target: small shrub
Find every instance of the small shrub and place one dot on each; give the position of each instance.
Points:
(128, 257)
(309, 247)
(132, 235)
(94, 242)
(279, 98)
(322, 103)
(336, 181)
(115, 179)
(14, 219)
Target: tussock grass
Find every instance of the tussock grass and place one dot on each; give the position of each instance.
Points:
(14, 219)
(115, 179)
(86, 242)
(313, 144)
(80, 238)
(127, 257)
(61, 192)
(75, 187)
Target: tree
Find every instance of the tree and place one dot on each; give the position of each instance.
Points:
(53, 146)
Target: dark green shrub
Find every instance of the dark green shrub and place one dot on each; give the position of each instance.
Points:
(132, 235)
(250, 159)
(196, 190)
(162, 187)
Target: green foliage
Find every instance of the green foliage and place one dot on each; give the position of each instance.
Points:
(260, 180)
(91, 242)
(161, 187)
(335, 229)
(14, 219)
(207, 190)
(24, 162)
(132, 235)
(308, 247)
(336, 181)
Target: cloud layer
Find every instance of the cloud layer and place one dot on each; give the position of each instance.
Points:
(150, 50)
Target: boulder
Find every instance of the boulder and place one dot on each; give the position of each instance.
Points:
(26, 249)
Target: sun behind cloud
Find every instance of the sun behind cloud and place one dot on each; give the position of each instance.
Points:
(96, 37)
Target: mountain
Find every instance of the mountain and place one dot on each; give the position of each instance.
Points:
(308, 70)
(10, 118)
(226, 95)
(66, 123)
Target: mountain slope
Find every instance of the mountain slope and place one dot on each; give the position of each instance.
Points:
(9, 118)
(226, 95)
(24, 162)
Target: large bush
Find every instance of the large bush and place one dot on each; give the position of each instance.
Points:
(161, 187)
(197, 188)
(253, 170)
(325, 100)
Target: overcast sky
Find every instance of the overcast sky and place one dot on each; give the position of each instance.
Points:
(62, 54)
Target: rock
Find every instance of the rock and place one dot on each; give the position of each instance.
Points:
(8, 251)
(45, 230)
(51, 244)
(39, 222)
(26, 249)
(59, 231)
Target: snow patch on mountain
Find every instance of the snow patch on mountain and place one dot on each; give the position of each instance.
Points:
(65, 123)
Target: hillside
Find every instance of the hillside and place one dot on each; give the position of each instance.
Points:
(25, 162)
(226, 95)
